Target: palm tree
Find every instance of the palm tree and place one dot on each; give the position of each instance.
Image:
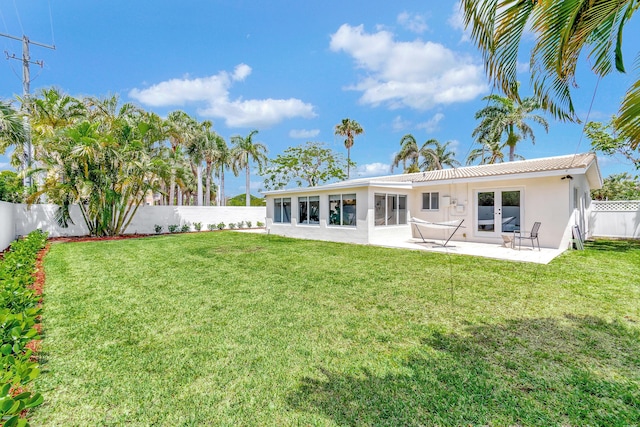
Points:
(244, 151)
(12, 131)
(223, 159)
(409, 151)
(179, 130)
(562, 29)
(349, 129)
(509, 117)
(489, 153)
(436, 156)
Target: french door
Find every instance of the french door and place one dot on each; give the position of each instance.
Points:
(498, 211)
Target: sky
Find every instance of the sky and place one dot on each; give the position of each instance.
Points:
(292, 70)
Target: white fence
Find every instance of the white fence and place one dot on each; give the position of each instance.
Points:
(7, 224)
(18, 220)
(619, 218)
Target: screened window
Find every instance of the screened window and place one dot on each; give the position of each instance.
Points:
(309, 210)
(390, 209)
(431, 201)
(342, 209)
(282, 209)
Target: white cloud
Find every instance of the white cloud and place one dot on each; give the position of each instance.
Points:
(373, 169)
(304, 133)
(431, 124)
(456, 21)
(213, 92)
(415, 23)
(417, 74)
(399, 125)
(454, 146)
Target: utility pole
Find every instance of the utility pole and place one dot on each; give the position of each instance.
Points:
(26, 82)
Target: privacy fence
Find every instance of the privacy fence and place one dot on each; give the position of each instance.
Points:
(19, 220)
(620, 219)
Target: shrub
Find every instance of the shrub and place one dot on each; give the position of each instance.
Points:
(211, 227)
(173, 228)
(197, 226)
(249, 224)
(158, 228)
(259, 224)
(185, 228)
(221, 226)
(232, 225)
(19, 314)
(241, 224)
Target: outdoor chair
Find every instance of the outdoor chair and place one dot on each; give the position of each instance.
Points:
(527, 235)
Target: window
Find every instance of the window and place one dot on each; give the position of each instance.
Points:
(309, 210)
(282, 209)
(431, 201)
(390, 209)
(342, 209)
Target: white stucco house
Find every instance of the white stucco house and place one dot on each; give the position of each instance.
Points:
(491, 199)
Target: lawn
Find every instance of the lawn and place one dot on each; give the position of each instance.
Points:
(230, 328)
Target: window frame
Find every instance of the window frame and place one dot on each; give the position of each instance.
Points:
(394, 199)
(431, 199)
(281, 208)
(342, 197)
(307, 200)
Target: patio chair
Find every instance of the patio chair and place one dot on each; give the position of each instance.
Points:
(527, 235)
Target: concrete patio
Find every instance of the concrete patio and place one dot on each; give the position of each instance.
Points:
(486, 250)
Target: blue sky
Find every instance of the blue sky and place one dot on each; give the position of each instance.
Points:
(290, 69)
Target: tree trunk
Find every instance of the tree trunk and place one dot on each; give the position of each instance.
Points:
(199, 184)
(223, 201)
(207, 190)
(248, 195)
(179, 196)
(172, 187)
(348, 162)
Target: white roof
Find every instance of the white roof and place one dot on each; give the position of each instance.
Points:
(585, 163)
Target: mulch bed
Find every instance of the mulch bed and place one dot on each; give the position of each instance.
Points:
(92, 239)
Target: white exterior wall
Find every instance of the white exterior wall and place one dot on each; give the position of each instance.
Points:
(322, 231)
(43, 217)
(543, 199)
(619, 219)
(7, 225)
(548, 200)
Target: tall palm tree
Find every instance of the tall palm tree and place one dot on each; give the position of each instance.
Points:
(223, 159)
(179, 130)
(562, 29)
(245, 150)
(409, 151)
(506, 116)
(436, 156)
(349, 129)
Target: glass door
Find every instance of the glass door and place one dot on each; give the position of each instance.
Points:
(498, 212)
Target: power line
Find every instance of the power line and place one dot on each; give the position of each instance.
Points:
(26, 81)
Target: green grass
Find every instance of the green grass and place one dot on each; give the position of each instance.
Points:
(244, 329)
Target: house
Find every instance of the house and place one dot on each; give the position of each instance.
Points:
(491, 199)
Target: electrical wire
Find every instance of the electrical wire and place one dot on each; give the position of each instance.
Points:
(53, 39)
(18, 16)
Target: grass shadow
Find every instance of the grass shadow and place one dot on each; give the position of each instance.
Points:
(570, 371)
(623, 245)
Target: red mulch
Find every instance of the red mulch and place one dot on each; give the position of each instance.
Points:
(92, 239)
